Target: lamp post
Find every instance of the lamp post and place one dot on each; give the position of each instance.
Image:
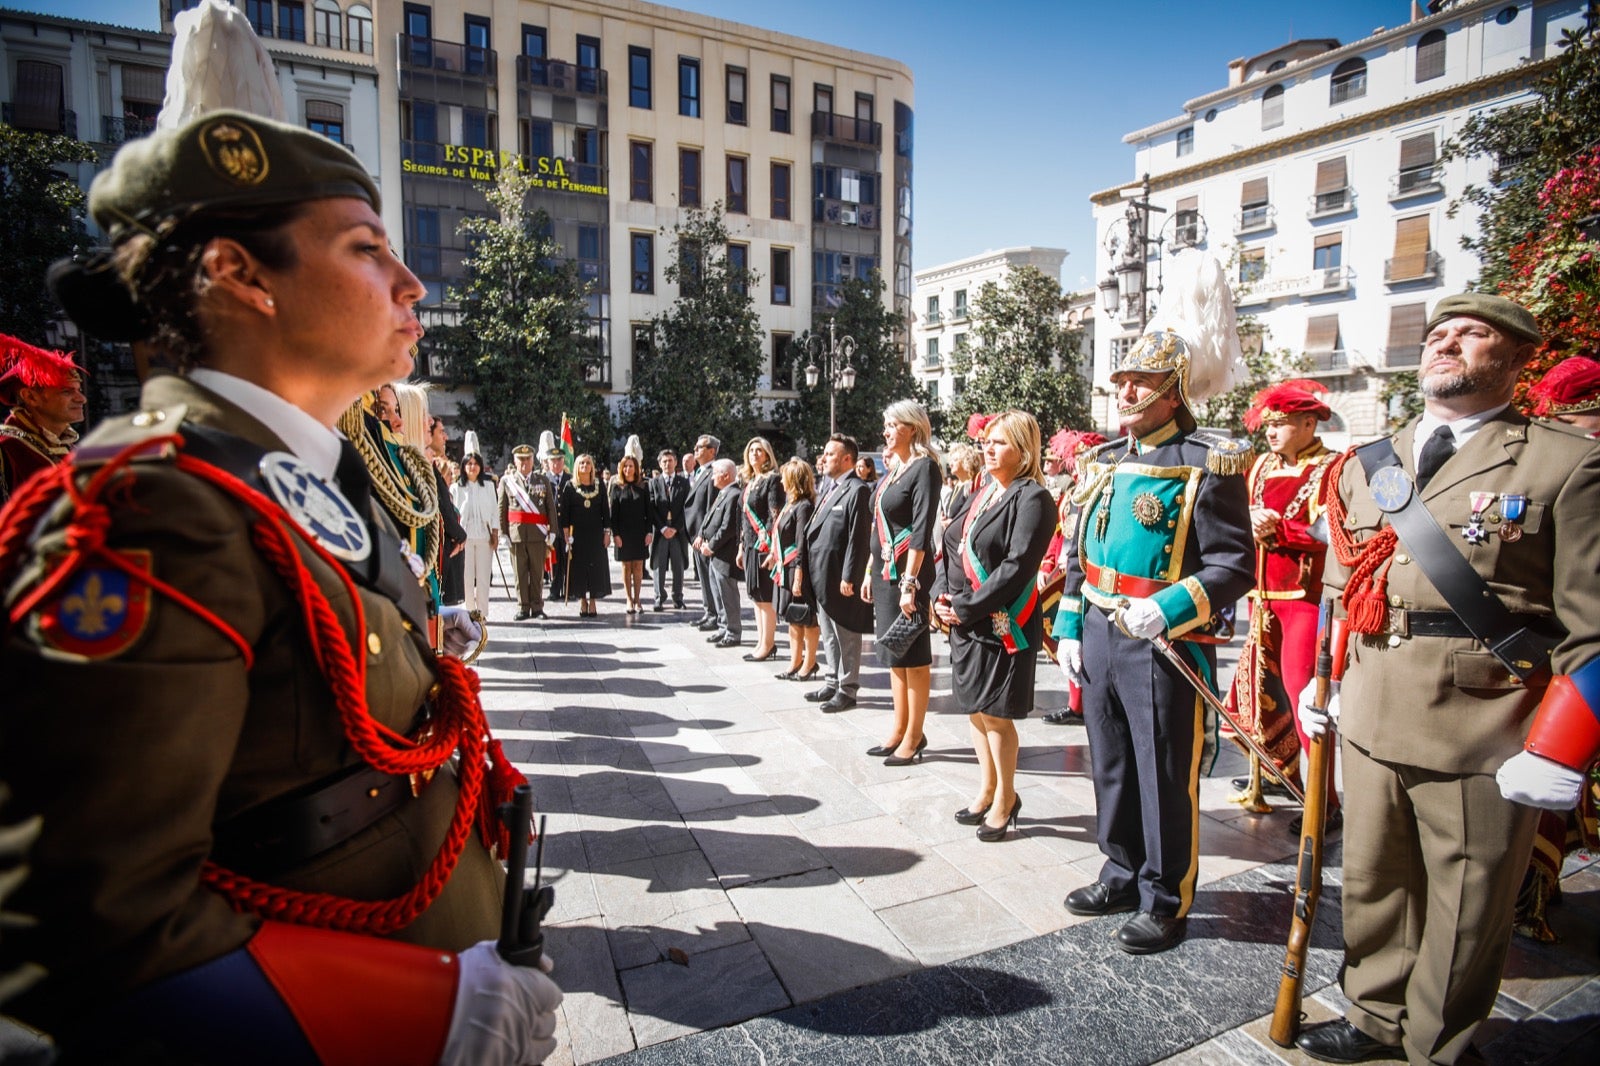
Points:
(836, 368)
(1127, 284)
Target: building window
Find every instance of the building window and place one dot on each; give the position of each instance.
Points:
(535, 42)
(780, 276)
(961, 342)
(933, 317)
(960, 308)
(1272, 107)
(1406, 325)
(326, 119)
(1327, 252)
(1322, 343)
(143, 89)
(1252, 265)
(639, 77)
(932, 358)
(1186, 142)
(642, 260)
(1349, 81)
(641, 185)
(691, 266)
(259, 12)
(1186, 222)
(1417, 159)
(739, 268)
(326, 23)
(422, 241)
(358, 28)
(782, 365)
(780, 190)
(1333, 188)
(643, 346)
(419, 32)
(1430, 55)
(736, 83)
(477, 128)
(419, 131)
(591, 254)
(958, 385)
(688, 87)
(1255, 212)
(932, 385)
(1506, 16)
(864, 109)
(822, 98)
(476, 34)
(291, 20)
(589, 64)
(38, 103)
(541, 143)
(780, 104)
(1414, 258)
(738, 185)
(688, 177)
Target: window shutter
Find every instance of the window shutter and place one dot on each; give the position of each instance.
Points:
(1328, 240)
(1188, 203)
(1331, 176)
(1430, 55)
(1322, 334)
(145, 85)
(37, 104)
(1406, 322)
(1253, 193)
(322, 111)
(1417, 152)
(1410, 248)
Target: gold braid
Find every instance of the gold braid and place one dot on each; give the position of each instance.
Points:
(394, 495)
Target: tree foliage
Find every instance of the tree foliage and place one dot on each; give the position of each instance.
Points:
(1024, 357)
(1265, 367)
(522, 341)
(706, 349)
(883, 375)
(41, 220)
(1405, 388)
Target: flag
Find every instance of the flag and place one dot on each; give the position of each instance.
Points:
(567, 450)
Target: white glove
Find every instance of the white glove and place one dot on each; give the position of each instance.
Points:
(1143, 619)
(1539, 782)
(461, 633)
(504, 1015)
(1069, 653)
(1314, 723)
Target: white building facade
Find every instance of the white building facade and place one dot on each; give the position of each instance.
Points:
(1316, 178)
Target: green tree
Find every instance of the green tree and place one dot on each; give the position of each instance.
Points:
(1024, 356)
(523, 338)
(882, 373)
(1529, 145)
(706, 349)
(1226, 411)
(1404, 388)
(41, 220)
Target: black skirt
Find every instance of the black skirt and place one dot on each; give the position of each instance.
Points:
(885, 608)
(989, 681)
(757, 578)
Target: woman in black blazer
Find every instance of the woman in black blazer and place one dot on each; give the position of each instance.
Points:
(988, 597)
(791, 566)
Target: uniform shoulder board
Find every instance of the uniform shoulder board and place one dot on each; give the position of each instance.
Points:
(116, 435)
(1104, 449)
(1562, 428)
(1226, 455)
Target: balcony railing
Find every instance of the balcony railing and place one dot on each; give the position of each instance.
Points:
(1411, 269)
(827, 125)
(560, 76)
(1421, 181)
(932, 362)
(958, 313)
(1329, 279)
(1334, 362)
(844, 213)
(124, 128)
(427, 53)
(1337, 202)
(932, 318)
(1407, 355)
(36, 120)
(1255, 219)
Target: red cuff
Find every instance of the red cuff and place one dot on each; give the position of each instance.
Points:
(1565, 729)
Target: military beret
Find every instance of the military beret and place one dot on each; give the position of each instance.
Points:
(224, 160)
(1505, 315)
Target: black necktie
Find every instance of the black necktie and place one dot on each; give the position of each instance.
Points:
(1438, 449)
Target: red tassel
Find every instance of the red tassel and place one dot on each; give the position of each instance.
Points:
(1368, 614)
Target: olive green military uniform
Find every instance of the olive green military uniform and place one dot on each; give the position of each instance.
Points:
(170, 737)
(1433, 854)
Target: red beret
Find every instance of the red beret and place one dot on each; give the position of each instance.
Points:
(26, 367)
(1570, 386)
(1297, 397)
(976, 424)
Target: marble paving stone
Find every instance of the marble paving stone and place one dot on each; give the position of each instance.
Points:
(984, 862)
(837, 800)
(692, 932)
(810, 724)
(819, 937)
(881, 865)
(609, 841)
(953, 925)
(922, 804)
(709, 783)
(645, 891)
(614, 794)
(756, 845)
(847, 757)
(720, 987)
(683, 746)
(1034, 896)
(592, 1012)
(773, 749)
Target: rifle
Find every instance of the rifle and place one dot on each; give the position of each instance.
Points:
(1308, 871)
(521, 940)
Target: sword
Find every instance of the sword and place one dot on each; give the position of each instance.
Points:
(1175, 657)
(499, 563)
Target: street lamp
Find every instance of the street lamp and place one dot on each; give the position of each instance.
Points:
(1127, 284)
(836, 368)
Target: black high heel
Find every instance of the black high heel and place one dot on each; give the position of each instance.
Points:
(915, 756)
(788, 675)
(991, 833)
(752, 657)
(968, 816)
(883, 749)
(809, 676)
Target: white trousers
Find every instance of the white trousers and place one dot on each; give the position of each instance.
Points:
(479, 561)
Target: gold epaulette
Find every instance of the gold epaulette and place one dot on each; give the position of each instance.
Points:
(1226, 455)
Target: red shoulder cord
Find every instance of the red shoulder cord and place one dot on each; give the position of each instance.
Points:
(460, 721)
(1366, 594)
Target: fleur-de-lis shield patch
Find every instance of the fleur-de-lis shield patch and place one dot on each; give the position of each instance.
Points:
(100, 611)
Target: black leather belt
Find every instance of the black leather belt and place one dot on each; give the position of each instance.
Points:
(286, 832)
(1440, 623)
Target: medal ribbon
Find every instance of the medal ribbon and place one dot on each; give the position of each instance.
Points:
(756, 525)
(1008, 622)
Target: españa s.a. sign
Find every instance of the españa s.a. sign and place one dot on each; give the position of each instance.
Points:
(481, 164)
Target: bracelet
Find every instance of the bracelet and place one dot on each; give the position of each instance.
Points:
(910, 583)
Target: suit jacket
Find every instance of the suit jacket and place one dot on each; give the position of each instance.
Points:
(721, 529)
(1009, 539)
(1445, 703)
(702, 493)
(668, 498)
(837, 545)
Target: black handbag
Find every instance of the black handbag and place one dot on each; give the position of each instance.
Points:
(799, 613)
(902, 632)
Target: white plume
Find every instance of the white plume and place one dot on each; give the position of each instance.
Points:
(218, 63)
(547, 444)
(634, 448)
(469, 443)
(1197, 305)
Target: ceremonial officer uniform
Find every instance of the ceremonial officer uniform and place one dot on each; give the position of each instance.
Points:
(1433, 851)
(527, 504)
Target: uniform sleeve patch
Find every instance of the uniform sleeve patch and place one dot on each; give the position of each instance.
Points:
(100, 611)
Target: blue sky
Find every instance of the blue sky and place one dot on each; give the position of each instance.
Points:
(1021, 104)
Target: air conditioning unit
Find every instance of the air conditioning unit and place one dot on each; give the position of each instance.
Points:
(848, 217)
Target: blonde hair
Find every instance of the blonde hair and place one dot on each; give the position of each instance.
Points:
(913, 414)
(798, 482)
(965, 461)
(413, 401)
(1021, 431)
(577, 464)
(748, 471)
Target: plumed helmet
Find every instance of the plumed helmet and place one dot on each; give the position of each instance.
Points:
(23, 366)
(547, 445)
(1194, 334)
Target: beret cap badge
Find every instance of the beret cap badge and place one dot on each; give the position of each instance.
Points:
(235, 152)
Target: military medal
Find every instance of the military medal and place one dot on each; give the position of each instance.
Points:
(316, 506)
(1148, 510)
(588, 497)
(1512, 506)
(1473, 532)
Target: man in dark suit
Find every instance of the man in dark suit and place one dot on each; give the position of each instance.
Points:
(719, 546)
(701, 495)
(837, 541)
(669, 493)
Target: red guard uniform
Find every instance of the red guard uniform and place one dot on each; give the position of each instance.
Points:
(25, 447)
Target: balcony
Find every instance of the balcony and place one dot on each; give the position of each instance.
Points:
(932, 362)
(425, 53)
(1410, 269)
(825, 211)
(1403, 357)
(845, 129)
(1334, 362)
(561, 77)
(1328, 279)
(958, 313)
(37, 120)
(122, 129)
(1255, 219)
(1328, 204)
(933, 318)
(1419, 181)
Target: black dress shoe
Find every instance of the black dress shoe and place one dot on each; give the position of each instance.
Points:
(1339, 1041)
(521, 616)
(1332, 824)
(1146, 933)
(820, 695)
(658, 607)
(1063, 717)
(1098, 899)
(717, 637)
(838, 702)
(728, 642)
(679, 605)
(709, 626)
(1270, 786)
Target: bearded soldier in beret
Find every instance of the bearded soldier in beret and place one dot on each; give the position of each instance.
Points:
(1466, 547)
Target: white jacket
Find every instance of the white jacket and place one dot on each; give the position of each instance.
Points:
(479, 505)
